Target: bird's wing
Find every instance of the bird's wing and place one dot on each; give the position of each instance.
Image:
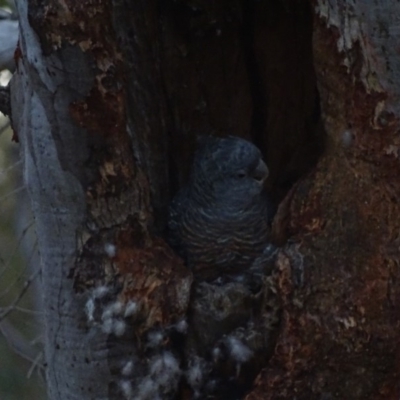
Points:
(176, 210)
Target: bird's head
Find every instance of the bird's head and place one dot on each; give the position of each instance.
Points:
(229, 170)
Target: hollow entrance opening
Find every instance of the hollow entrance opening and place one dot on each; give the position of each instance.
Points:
(242, 68)
(286, 112)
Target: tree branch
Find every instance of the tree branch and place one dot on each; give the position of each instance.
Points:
(20, 345)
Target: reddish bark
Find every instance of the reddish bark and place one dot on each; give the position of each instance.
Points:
(340, 331)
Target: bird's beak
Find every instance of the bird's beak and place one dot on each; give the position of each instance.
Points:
(261, 172)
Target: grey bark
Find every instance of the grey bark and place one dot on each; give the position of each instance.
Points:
(41, 92)
(90, 199)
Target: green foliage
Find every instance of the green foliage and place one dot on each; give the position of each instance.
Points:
(7, 4)
(21, 327)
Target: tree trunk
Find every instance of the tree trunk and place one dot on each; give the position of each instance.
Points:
(339, 335)
(107, 100)
(88, 169)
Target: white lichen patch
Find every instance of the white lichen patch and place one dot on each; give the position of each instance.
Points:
(181, 326)
(216, 354)
(131, 308)
(196, 374)
(165, 370)
(107, 326)
(127, 369)
(240, 352)
(155, 338)
(114, 315)
(347, 138)
(100, 292)
(113, 309)
(119, 327)
(110, 249)
(126, 389)
(147, 390)
(89, 310)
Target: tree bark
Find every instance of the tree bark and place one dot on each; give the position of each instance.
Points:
(107, 100)
(86, 168)
(340, 335)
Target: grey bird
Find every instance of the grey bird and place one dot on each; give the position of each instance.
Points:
(220, 219)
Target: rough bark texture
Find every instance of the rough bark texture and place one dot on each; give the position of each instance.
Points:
(107, 100)
(91, 196)
(340, 332)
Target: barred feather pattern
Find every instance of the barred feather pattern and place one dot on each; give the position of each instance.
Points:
(220, 219)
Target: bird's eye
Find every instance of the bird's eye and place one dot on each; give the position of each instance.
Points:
(241, 174)
(257, 178)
